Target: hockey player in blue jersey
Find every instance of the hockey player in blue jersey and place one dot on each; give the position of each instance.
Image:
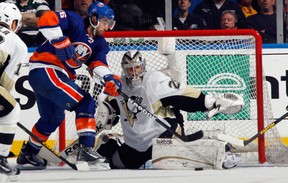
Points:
(52, 70)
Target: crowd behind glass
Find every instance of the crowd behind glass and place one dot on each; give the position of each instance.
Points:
(130, 15)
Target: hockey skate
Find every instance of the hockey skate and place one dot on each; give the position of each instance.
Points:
(6, 169)
(28, 161)
(231, 160)
(87, 154)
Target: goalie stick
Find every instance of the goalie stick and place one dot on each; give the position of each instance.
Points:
(185, 138)
(240, 142)
(83, 166)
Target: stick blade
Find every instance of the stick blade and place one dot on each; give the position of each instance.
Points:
(82, 166)
(194, 136)
(231, 140)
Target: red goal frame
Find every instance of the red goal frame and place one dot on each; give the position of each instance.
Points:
(179, 33)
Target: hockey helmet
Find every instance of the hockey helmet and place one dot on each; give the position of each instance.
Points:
(8, 13)
(133, 68)
(101, 10)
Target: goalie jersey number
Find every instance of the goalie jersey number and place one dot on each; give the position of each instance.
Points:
(174, 84)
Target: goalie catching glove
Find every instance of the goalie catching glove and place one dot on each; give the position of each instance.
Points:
(228, 103)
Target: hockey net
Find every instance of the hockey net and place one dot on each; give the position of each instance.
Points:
(213, 61)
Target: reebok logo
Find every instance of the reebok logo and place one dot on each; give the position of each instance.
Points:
(63, 44)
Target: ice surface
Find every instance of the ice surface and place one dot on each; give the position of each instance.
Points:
(102, 174)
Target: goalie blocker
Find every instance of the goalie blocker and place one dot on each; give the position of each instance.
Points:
(170, 154)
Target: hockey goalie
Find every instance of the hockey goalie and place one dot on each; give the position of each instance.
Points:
(144, 139)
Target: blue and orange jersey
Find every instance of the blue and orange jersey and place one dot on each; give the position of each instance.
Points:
(91, 51)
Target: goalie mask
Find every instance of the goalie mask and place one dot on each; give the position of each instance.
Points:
(133, 69)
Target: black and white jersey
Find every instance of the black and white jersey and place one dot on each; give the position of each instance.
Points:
(138, 128)
(13, 52)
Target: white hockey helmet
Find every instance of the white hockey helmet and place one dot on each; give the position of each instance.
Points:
(8, 13)
(133, 68)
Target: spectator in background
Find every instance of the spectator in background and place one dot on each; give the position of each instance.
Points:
(244, 10)
(81, 7)
(246, 7)
(228, 20)
(67, 5)
(151, 10)
(194, 3)
(265, 21)
(285, 9)
(135, 14)
(186, 20)
(211, 10)
(51, 4)
(128, 16)
(31, 11)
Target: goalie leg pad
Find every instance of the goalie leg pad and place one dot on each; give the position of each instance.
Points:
(174, 154)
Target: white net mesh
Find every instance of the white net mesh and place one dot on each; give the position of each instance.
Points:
(212, 64)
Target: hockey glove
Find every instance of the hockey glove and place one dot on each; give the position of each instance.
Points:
(106, 116)
(112, 84)
(228, 103)
(65, 51)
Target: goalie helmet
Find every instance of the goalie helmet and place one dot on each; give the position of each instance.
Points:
(101, 10)
(133, 68)
(8, 13)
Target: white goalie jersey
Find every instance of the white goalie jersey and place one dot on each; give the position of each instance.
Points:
(13, 53)
(138, 128)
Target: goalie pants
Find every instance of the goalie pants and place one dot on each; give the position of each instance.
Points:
(128, 156)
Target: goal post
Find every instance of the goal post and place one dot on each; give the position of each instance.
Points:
(213, 61)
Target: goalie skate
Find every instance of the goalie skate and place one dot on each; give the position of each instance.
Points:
(231, 160)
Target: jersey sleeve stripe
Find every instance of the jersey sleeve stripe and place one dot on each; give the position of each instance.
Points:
(97, 64)
(73, 93)
(48, 19)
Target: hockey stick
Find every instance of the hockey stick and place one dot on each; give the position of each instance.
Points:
(185, 138)
(240, 142)
(71, 148)
(83, 166)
